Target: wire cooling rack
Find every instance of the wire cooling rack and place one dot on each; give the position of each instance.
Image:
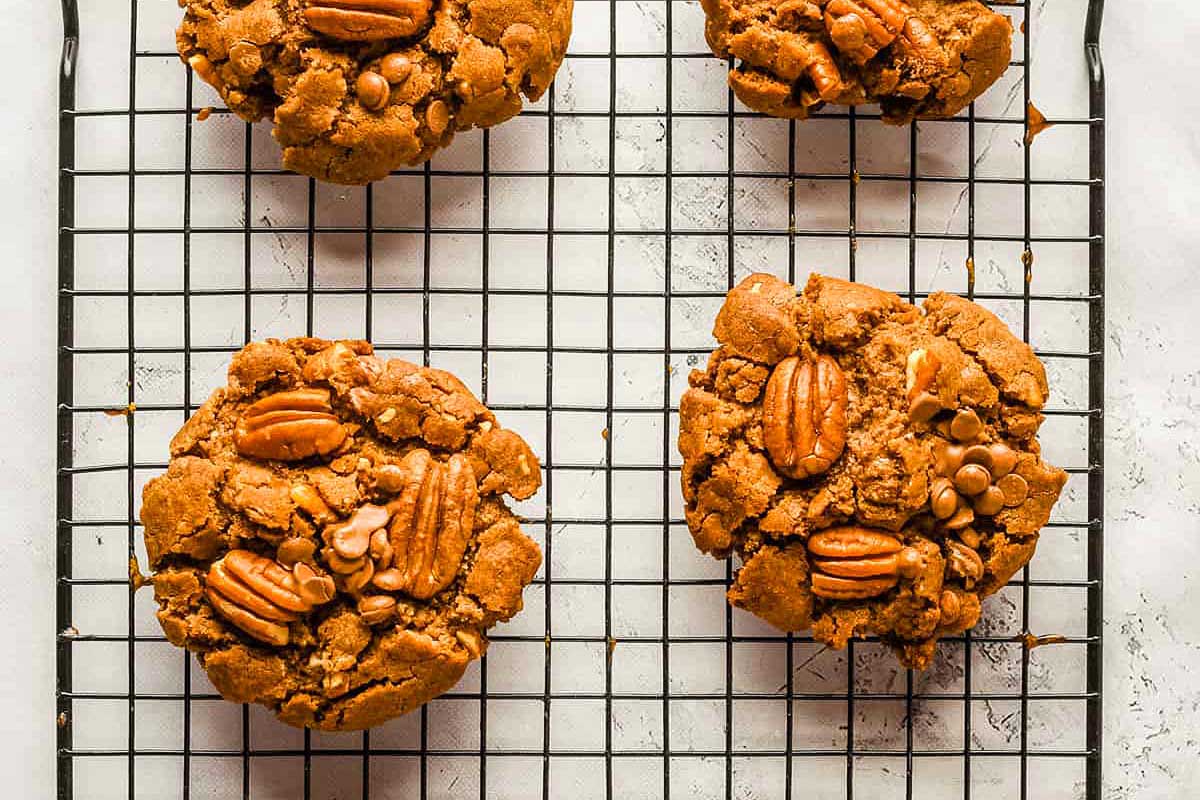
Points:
(568, 266)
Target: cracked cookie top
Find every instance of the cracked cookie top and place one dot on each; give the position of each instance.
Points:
(358, 88)
(330, 537)
(916, 59)
(874, 465)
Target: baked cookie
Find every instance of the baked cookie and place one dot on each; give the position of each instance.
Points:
(916, 59)
(874, 465)
(358, 88)
(331, 538)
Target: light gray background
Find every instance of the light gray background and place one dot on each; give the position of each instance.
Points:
(1153, 452)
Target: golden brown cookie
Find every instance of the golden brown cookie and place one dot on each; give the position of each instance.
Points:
(916, 59)
(358, 88)
(331, 538)
(874, 465)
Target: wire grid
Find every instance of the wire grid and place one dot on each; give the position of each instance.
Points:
(568, 265)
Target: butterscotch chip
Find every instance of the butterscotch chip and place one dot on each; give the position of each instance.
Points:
(851, 515)
(357, 558)
(919, 59)
(358, 88)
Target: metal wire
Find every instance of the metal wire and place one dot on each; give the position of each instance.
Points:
(668, 758)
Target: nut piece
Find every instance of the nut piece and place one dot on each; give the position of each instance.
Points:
(255, 594)
(315, 587)
(437, 117)
(367, 20)
(853, 563)
(351, 540)
(965, 563)
(804, 416)
(289, 426)
(950, 607)
(372, 90)
(433, 520)
(295, 549)
(382, 552)
(377, 609)
(309, 500)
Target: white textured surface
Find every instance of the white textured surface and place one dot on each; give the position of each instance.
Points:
(1154, 389)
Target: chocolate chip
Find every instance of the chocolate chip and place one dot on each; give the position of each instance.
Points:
(1015, 489)
(990, 501)
(947, 459)
(373, 90)
(978, 454)
(395, 68)
(943, 499)
(1004, 458)
(966, 425)
(972, 479)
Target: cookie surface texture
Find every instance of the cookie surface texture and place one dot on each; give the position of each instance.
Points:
(875, 466)
(331, 538)
(358, 88)
(916, 59)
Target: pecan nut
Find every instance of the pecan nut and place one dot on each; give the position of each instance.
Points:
(255, 594)
(289, 426)
(861, 28)
(367, 20)
(804, 416)
(853, 563)
(920, 373)
(432, 522)
(964, 563)
(377, 609)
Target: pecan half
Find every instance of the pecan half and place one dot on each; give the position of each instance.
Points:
(853, 563)
(861, 28)
(367, 20)
(289, 426)
(432, 523)
(804, 416)
(256, 595)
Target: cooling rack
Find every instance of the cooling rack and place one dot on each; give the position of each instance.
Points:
(568, 266)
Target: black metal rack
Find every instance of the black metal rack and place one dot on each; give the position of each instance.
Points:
(669, 763)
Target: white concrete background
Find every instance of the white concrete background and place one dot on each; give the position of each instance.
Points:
(1153, 482)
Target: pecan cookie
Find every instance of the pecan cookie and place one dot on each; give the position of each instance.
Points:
(874, 465)
(331, 538)
(916, 59)
(358, 88)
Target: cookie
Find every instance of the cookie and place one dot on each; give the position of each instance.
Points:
(331, 537)
(357, 88)
(920, 59)
(875, 466)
